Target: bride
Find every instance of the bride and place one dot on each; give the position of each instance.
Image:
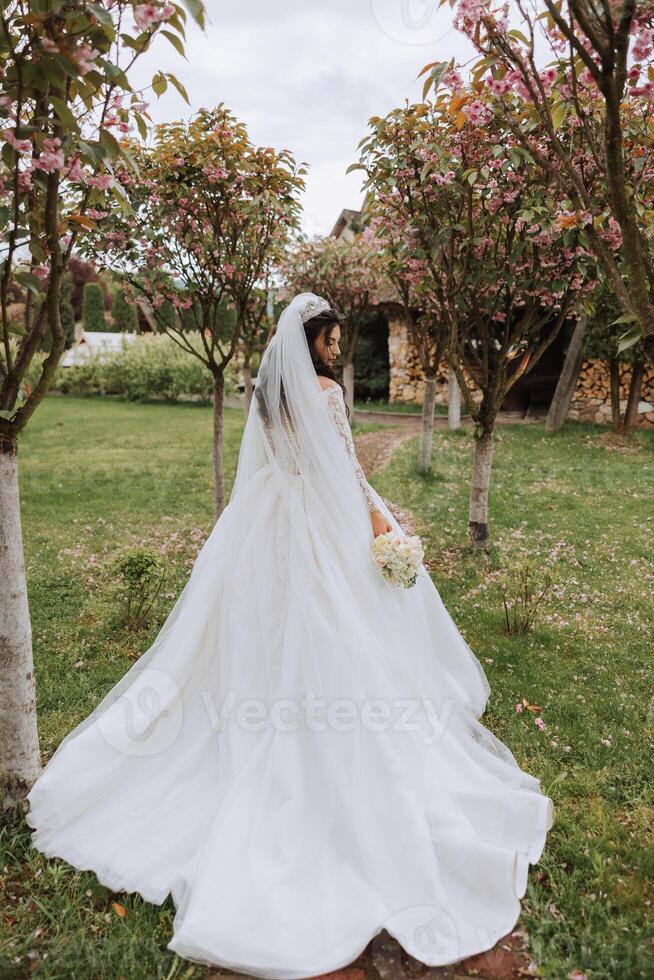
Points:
(298, 758)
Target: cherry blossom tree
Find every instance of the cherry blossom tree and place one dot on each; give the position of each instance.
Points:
(65, 102)
(505, 266)
(209, 216)
(348, 274)
(581, 75)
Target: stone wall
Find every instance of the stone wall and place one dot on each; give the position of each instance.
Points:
(591, 399)
(406, 383)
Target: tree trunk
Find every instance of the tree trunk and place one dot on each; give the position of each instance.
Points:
(560, 406)
(648, 347)
(453, 402)
(247, 385)
(427, 438)
(348, 381)
(481, 470)
(20, 760)
(635, 386)
(633, 242)
(614, 376)
(218, 438)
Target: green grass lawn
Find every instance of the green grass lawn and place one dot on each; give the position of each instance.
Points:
(406, 408)
(99, 476)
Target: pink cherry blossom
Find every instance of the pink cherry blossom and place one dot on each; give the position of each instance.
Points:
(74, 171)
(145, 15)
(49, 45)
(51, 157)
(85, 57)
(103, 182)
(20, 145)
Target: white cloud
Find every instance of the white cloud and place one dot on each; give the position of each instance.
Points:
(307, 77)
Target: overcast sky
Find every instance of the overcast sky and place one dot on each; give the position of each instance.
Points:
(307, 76)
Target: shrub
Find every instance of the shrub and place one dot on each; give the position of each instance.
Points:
(80, 273)
(140, 576)
(81, 379)
(93, 307)
(523, 587)
(152, 366)
(124, 314)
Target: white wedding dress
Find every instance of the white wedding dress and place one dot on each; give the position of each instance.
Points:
(298, 758)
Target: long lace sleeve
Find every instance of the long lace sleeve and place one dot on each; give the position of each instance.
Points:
(336, 405)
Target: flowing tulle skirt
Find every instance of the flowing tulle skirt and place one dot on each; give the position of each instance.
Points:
(298, 759)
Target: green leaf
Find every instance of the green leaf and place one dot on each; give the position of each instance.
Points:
(52, 72)
(176, 42)
(178, 85)
(110, 144)
(125, 153)
(159, 84)
(139, 43)
(37, 250)
(472, 176)
(124, 204)
(518, 35)
(141, 125)
(196, 10)
(117, 75)
(92, 151)
(64, 114)
(9, 155)
(559, 112)
(30, 281)
(629, 338)
(625, 318)
(105, 18)
(435, 77)
(66, 66)
(354, 166)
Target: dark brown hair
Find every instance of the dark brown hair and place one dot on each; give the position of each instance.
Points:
(315, 327)
(321, 325)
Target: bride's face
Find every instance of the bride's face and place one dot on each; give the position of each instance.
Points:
(327, 345)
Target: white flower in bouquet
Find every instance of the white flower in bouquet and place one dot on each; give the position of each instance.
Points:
(398, 558)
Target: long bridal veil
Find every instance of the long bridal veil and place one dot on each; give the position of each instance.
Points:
(298, 757)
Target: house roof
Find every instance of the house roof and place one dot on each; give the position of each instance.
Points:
(92, 342)
(344, 222)
(105, 338)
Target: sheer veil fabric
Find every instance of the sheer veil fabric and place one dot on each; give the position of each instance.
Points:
(298, 758)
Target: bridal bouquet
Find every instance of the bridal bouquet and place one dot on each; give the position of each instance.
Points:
(398, 558)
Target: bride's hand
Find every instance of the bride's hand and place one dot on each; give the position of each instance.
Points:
(379, 523)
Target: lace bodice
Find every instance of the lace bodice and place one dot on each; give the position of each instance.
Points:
(334, 398)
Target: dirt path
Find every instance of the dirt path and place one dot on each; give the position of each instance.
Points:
(375, 450)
